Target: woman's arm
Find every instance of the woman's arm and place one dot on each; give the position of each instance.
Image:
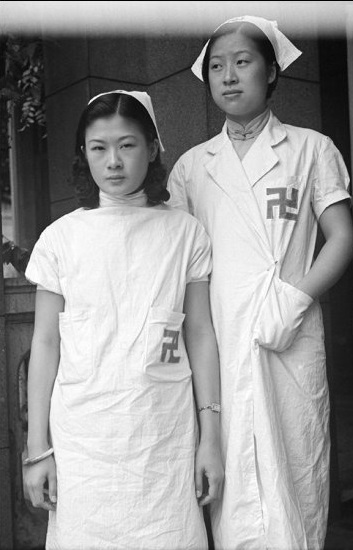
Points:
(336, 254)
(203, 355)
(43, 365)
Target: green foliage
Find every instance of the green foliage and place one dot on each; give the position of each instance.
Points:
(22, 82)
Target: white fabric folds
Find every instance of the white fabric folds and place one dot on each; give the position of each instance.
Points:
(122, 417)
(281, 316)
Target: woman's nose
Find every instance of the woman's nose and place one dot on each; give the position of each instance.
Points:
(230, 74)
(114, 160)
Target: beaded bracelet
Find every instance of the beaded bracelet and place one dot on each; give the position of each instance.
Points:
(38, 458)
(214, 407)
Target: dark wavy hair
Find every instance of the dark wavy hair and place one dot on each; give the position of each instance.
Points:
(263, 45)
(86, 189)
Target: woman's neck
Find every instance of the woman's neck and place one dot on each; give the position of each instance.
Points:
(136, 199)
(243, 137)
(248, 130)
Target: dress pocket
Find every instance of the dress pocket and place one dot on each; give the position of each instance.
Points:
(165, 357)
(76, 336)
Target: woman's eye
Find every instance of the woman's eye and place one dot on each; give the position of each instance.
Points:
(215, 66)
(97, 148)
(242, 61)
(128, 145)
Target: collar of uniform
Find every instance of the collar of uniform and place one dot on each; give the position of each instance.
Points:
(275, 133)
(239, 132)
(262, 156)
(107, 200)
(220, 140)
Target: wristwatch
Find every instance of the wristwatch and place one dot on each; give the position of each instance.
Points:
(214, 407)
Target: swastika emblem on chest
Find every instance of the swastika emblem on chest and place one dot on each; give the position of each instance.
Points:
(285, 203)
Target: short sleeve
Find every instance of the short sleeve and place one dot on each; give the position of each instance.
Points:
(42, 268)
(200, 263)
(331, 183)
(177, 188)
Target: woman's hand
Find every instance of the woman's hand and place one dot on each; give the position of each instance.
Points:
(209, 472)
(36, 478)
(40, 478)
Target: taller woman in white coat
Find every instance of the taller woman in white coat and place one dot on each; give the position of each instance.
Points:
(260, 188)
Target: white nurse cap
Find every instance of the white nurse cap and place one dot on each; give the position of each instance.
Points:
(285, 51)
(144, 99)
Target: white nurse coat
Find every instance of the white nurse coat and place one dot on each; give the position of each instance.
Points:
(122, 412)
(261, 215)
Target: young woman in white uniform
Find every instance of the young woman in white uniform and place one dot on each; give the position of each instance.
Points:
(112, 425)
(260, 188)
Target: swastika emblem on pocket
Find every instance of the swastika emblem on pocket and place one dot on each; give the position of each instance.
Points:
(170, 345)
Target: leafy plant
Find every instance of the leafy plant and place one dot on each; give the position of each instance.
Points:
(22, 82)
(21, 86)
(16, 256)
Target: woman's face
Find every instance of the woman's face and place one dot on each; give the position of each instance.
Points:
(118, 154)
(239, 77)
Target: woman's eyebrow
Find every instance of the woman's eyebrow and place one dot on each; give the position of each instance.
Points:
(238, 52)
(103, 140)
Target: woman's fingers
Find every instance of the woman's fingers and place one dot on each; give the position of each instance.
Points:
(213, 490)
(198, 481)
(36, 477)
(40, 499)
(37, 497)
(52, 488)
(209, 473)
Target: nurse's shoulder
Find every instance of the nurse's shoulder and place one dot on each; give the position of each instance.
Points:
(198, 154)
(64, 224)
(307, 138)
(179, 220)
(189, 171)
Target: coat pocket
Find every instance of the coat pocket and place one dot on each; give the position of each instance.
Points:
(76, 334)
(281, 316)
(165, 356)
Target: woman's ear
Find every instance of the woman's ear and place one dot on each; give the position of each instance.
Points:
(154, 150)
(83, 150)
